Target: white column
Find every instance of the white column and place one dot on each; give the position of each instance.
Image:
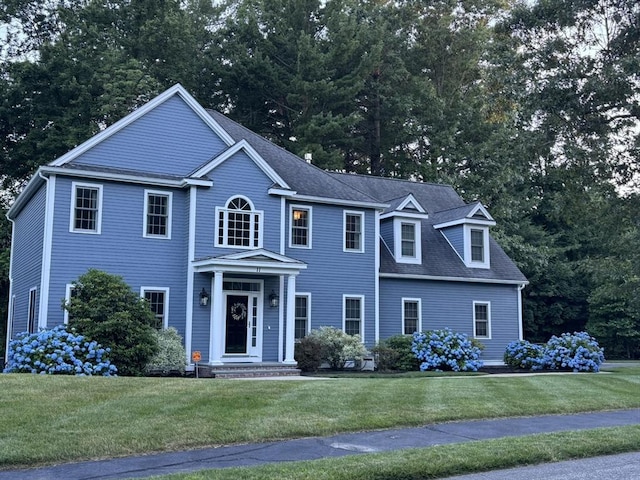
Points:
(217, 320)
(291, 321)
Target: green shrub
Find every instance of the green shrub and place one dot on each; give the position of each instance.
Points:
(105, 309)
(338, 348)
(171, 355)
(394, 353)
(308, 354)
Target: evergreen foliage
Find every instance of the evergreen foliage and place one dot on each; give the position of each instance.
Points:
(394, 353)
(171, 356)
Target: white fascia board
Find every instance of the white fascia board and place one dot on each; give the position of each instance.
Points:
(26, 194)
(196, 182)
(236, 266)
(479, 207)
(281, 192)
(341, 202)
(411, 200)
(465, 221)
(452, 279)
(250, 151)
(402, 214)
(177, 89)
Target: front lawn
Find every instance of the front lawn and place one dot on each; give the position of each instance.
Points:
(49, 419)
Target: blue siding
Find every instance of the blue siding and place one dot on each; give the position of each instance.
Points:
(455, 235)
(386, 232)
(121, 248)
(450, 304)
(170, 139)
(331, 273)
(27, 257)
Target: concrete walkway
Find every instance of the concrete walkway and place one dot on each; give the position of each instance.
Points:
(341, 445)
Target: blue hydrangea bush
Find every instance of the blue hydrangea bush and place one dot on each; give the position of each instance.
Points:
(57, 351)
(445, 350)
(578, 352)
(525, 355)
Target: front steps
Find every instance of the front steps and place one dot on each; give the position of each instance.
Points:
(246, 370)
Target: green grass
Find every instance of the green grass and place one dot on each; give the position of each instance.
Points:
(49, 419)
(441, 461)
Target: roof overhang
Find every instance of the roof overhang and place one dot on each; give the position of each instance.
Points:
(251, 261)
(454, 279)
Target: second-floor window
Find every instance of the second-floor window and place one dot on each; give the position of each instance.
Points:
(477, 245)
(353, 234)
(86, 208)
(239, 224)
(157, 214)
(300, 234)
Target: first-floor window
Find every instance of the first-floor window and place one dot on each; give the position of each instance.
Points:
(410, 316)
(157, 299)
(31, 314)
(302, 316)
(482, 319)
(71, 292)
(353, 316)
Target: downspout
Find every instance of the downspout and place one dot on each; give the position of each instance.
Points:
(520, 325)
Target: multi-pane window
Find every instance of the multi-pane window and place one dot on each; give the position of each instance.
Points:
(239, 225)
(481, 319)
(86, 208)
(157, 300)
(301, 316)
(353, 231)
(410, 316)
(31, 314)
(300, 227)
(477, 245)
(408, 239)
(353, 315)
(158, 215)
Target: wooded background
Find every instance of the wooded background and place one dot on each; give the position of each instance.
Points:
(530, 107)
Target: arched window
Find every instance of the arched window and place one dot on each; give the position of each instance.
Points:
(239, 225)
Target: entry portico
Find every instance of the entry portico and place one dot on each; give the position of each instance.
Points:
(238, 299)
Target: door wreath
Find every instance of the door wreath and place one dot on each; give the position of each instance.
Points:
(238, 311)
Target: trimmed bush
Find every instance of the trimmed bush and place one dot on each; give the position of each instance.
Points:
(578, 352)
(444, 350)
(394, 353)
(57, 351)
(525, 355)
(308, 354)
(338, 348)
(171, 355)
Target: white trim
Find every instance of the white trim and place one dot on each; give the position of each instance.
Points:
(376, 248)
(486, 262)
(361, 214)
(225, 225)
(47, 241)
(283, 219)
(281, 321)
(454, 248)
(68, 288)
(397, 233)
(10, 317)
(410, 199)
(74, 191)
(465, 221)
(141, 111)
(188, 329)
(345, 297)
(338, 201)
(307, 295)
(309, 210)
(281, 192)
(488, 305)
(413, 300)
(252, 354)
(452, 279)
(252, 154)
(145, 212)
(165, 291)
(419, 216)
(520, 325)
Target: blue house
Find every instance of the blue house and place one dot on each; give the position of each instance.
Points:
(244, 247)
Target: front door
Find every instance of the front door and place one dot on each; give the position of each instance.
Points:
(237, 326)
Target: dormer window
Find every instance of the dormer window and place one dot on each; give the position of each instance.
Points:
(239, 224)
(476, 248)
(477, 245)
(407, 240)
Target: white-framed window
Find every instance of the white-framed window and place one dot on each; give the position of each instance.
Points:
(476, 248)
(300, 226)
(353, 315)
(353, 231)
(408, 240)
(482, 319)
(239, 224)
(70, 292)
(411, 315)
(157, 214)
(31, 312)
(302, 315)
(86, 208)
(158, 300)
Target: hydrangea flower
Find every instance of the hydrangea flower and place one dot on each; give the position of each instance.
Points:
(446, 350)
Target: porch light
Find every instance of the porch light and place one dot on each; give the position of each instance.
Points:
(204, 298)
(274, 299)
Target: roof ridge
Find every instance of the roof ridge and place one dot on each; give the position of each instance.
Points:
(394, 179)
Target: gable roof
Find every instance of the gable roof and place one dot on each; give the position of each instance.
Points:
(471, 213)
